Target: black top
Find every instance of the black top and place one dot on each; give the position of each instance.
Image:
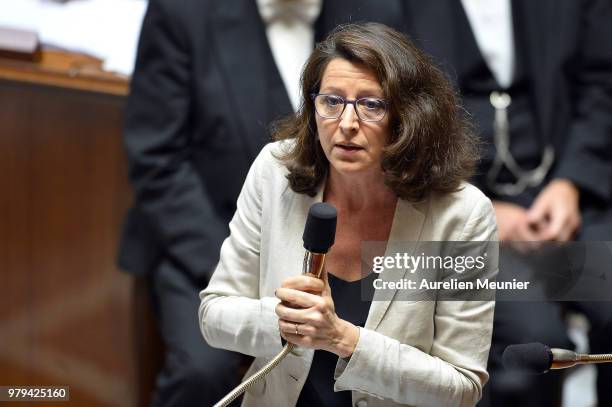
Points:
(352, 303)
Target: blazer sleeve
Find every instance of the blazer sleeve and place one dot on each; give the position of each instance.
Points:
(235, 283)
(454, 371)
(158, 141)
(587, 159)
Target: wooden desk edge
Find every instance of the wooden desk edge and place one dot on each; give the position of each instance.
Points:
(65, 70)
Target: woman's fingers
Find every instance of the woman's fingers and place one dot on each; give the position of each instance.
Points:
(300, 340)
(296, 297)
(304, 282)
(314, 315)
(294, 328)
(290, 314)
(303, 312)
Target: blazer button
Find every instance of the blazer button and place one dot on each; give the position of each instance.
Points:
(361, 403)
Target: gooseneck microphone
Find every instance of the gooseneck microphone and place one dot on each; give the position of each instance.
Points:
(319, 235)
(537, 358)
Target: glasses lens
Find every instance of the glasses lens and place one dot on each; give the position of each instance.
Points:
(329, 106)
(371, 109)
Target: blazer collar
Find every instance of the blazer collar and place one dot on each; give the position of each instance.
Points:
(239, 37)
(430, 25)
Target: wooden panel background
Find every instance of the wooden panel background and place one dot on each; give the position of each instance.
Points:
(68, 316)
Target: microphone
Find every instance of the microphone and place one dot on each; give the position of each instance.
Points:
(319, 235)
(536, 358)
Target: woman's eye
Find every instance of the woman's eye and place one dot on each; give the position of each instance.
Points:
(372, 104)
(333, 100)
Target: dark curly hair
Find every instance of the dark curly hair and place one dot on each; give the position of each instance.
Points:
(431, 146)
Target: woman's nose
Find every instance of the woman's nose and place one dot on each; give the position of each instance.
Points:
(349, 120)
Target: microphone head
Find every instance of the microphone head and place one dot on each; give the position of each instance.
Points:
(533, 358)
(320, 229)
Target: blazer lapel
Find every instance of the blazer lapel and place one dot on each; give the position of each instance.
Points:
(242, 46)
(538, 19)
(431, 24)
(407, 226)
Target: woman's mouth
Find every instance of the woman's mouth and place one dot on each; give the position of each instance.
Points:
(349, 147)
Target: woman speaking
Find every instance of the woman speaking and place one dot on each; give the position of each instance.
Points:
(379, 136)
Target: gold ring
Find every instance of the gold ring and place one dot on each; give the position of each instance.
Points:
(296, 329)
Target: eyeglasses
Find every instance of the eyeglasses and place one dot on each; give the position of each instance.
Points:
(368, 109)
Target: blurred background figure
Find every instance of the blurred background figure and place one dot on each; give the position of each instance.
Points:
(537, 79)
(210, 76)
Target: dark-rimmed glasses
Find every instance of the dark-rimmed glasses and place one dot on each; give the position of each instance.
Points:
(368, 109)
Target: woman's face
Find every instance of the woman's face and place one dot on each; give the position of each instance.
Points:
(352, 145)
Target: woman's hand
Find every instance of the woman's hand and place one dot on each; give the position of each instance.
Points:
(307, 316)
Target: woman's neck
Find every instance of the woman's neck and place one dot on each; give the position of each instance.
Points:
(357, 192)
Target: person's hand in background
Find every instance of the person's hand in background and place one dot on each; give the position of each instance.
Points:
(555, 214)
(513, 223)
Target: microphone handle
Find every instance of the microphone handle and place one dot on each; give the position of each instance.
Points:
(313, 263)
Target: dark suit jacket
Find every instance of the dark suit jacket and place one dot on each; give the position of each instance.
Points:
(204, 90)
(570, 62)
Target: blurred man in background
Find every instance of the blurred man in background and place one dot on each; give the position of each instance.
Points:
(537, 79)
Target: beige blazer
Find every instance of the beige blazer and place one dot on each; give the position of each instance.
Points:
(416, 353)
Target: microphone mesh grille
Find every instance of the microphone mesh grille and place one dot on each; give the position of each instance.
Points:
(529, 357)
(320, 229)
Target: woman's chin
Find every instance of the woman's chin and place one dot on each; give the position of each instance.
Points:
(345, 167)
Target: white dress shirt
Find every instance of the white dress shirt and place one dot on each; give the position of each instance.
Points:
(290, 32)
(491, 22)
